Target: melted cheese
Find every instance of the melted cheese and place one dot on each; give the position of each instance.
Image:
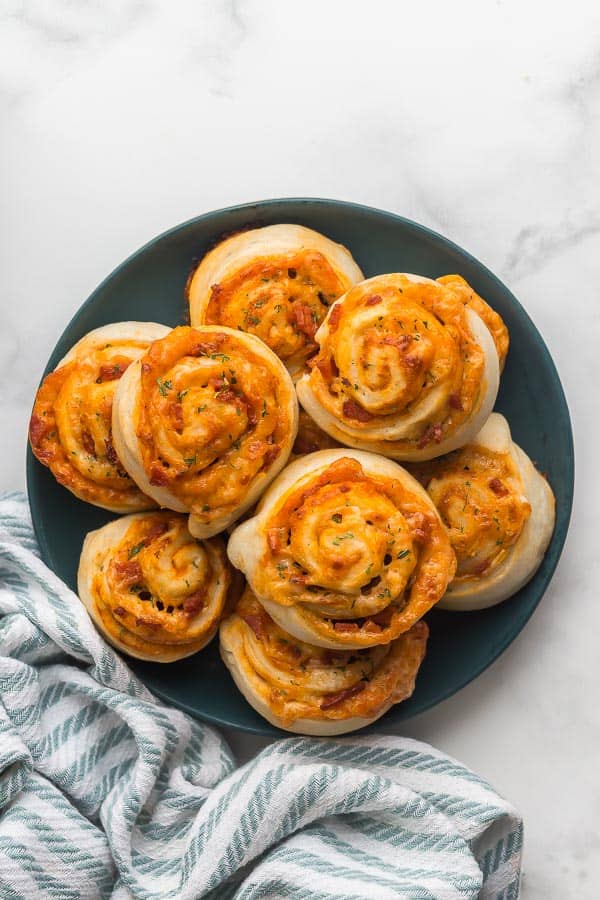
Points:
(153, 590)
(346, 550)
(498, 511)
(404, 368)
(205, 421)
(71, 430)
(277, 283)
(311, 690)
(465, 293)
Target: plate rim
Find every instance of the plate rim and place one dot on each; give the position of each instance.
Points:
(561, 528)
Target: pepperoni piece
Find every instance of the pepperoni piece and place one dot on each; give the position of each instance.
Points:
(128, 572)
(497, 487)
(431, 433)
(334, 699)
(353, 410)
(88, 443)
(158, 529)
(176, 412)
(333, 319)
(194, 603)
(112, 371)
(327, 367)
(373, 300)
(345, 627)
(158, 475)
(111, 453)
(455, 401)
(271, 455)
(276, 538)
(256, 624)
(38, 428)
(303, 318)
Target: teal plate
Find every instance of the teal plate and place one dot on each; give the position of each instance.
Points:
(149, 286)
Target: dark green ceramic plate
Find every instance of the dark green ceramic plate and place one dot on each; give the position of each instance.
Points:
(149, 286)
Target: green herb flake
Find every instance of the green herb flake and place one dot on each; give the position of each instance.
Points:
(343, 537)
(181, 394)
(403, 554)
(190, 460)
(337, 517)
(135, 550)
(163, 386)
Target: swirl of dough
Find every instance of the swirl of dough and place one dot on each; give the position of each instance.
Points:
(313, 690)
(499, 512)
(275, 282)
(345, 550)
(404, 369)
(70, 430)
(153, 590)
(204, 421)
(465, 293)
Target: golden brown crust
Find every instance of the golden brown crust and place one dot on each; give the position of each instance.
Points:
(404, 369)
(479, 495)
(282, 300)
(493, 321)
(296, 682)
(350, 553)
(70, 430)
(154, 591)
(214, 416)
(498, 511)
(275, 282)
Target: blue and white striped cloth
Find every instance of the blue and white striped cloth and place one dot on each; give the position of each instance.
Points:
(105, 792)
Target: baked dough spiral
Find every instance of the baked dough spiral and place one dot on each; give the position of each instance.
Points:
(275, 282)
(153, 590)
(404, 369)
(204, 421)
(313, 690)
(70, 429)
(499, 512)
(346, 550)
(465, 293)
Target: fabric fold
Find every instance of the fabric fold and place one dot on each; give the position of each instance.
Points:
(106, 792)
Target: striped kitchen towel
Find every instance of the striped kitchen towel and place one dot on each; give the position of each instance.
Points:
(105, 792)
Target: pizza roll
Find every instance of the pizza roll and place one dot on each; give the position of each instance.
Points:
(204, 421)
(404, 369)
(70, 430)
(346, 550)
(153, 590)
(276, 282)
(499, 512)
(493, 321)
(313, 690)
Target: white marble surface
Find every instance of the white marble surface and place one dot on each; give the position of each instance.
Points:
(479, 119)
